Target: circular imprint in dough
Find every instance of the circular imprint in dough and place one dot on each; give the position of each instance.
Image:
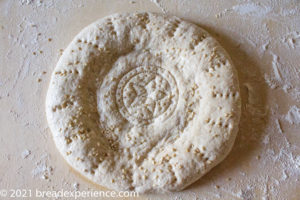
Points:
(146, 93)
(143, 102)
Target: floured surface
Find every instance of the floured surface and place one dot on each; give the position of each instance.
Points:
(261, 37)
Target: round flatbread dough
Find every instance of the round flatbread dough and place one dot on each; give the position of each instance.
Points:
(143, 102)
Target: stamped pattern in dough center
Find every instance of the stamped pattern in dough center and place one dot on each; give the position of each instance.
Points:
(146, 93)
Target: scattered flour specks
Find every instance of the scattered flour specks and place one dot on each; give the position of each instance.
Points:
(266, 140)
(247, 193)
(293, 116)
(284, 76)
(26, 2)
(25, 153)
(292, 40)
(278, 126)
(247, 9)
(76, 186)
(159, 5)
(276, 68)
(264, 47)
(42, 169)
(270, 81)
(251, 9)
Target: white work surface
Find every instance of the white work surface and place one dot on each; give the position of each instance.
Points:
(263, 39)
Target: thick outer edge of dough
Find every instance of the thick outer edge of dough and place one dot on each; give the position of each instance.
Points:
(221, 156)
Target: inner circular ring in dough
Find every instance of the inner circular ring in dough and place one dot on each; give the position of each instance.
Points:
(145, 93)
(143, 102)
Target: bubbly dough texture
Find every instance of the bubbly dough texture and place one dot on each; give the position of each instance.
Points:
(143, 102)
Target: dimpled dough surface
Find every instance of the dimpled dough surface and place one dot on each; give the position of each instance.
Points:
(143, 102)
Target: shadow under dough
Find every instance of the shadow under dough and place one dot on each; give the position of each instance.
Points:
(253, 117)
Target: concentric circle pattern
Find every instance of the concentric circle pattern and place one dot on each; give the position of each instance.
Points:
(146, 93)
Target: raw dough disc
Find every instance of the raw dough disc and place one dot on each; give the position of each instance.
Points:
(143, 102)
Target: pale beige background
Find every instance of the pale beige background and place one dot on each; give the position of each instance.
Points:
(263, 39)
